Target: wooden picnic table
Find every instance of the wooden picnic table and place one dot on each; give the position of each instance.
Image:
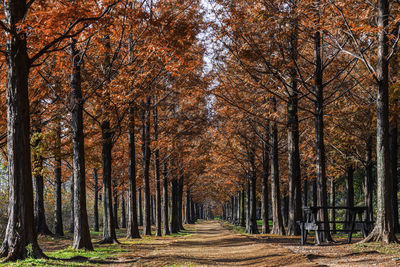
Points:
(310, 222)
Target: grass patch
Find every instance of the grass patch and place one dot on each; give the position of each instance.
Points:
(235, 228)
(379, 247)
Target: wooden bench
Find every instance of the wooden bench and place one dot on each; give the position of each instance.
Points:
(311, 223)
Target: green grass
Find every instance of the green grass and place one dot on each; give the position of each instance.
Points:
(181, 233)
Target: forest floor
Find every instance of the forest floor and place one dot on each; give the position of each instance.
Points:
(212, 243)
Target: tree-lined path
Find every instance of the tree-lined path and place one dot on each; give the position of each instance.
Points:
(211, 245)
(125, 122)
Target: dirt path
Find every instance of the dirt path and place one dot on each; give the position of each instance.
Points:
(212, 245)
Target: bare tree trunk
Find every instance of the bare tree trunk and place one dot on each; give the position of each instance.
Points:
(81, 225)
(20, 230)
(383, 230)
(123, 211)
(180, 202)
(187, 210)
(96, 200)
(72, 201)
(248, 205)
(277, 227)
(157, 175)
(39, 212)
(116, 204)
(319, 137)
(58, 222)
(109, 235)
(264, 200)
(293, 140)
(350, 192)
(333, 211)
(165, 200)
(368, 184)
(140, 207)
(133, 229)
(243, 204)
(393, 174)
(315, 194)
(174, 228)
(146, 152)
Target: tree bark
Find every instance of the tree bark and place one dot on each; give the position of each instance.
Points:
(319, 137)
(393, 174)
(109, 235)
(243, 204)
(58, 221)
(187, 210)
(72, 211)
(368, 183)
(133, 229)
(140, 207)
(333, 211)
(146, 152)
(96, 200)
(350, 192)
(157, 175)
(248, 206)
(123, 211)
(277, 227)
(383, 230)
(165, 200)
(39, 212)
(81, 225)
(174, 227)
(293, 140)
(115, 204)
(20, 230)
(264, 200)
(180, 202)
(315, 194)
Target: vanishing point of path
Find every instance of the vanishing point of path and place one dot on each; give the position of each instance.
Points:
(212, 245)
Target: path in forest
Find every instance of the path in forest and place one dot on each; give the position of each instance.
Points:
(212, 245)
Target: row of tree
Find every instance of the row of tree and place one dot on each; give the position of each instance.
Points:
(88, 85)
(303, 92)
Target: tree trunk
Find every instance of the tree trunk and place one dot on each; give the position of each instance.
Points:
(180, 203)
(333, 211)
(123, 212)
(350, 192)
(81, 225)
(187, 210)
(174, 228)
(393, 174)
(277, 227)
(315, 194)
(116, 204)
(39, 212)
(165, 200)
(248, 206)
(242, 203)
(293, 141)
(319, 138)
(157, 175)
(58, 222)
(133, 229)
(109, 235)
(264, 200)
(96, 200)
(72, 201)
(146, 152)
(383, 230)
(20, 230)
(368, 183)
(140, 207)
